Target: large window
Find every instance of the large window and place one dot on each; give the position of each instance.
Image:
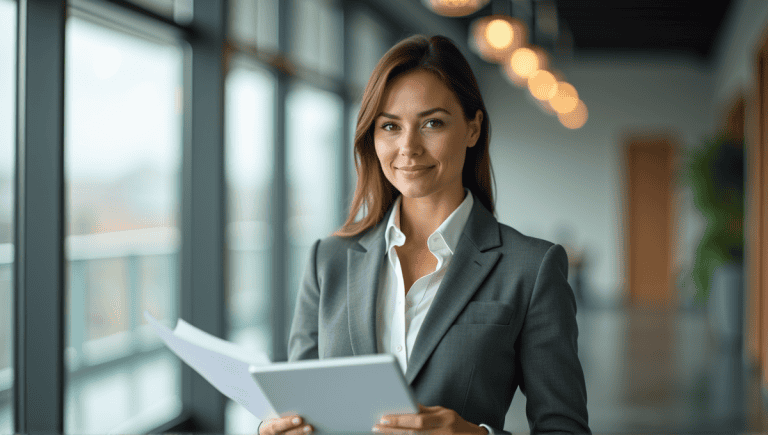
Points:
(254, 23)
(314, 175)
(7, 158)
(123, 127)
(141, 148)
(369, 40)
(316, 38)
(250, 125)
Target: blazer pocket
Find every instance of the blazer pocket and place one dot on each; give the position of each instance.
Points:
(485, 313)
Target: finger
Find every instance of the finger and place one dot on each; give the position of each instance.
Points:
(285, 424)
(395, 430)
(408, 421)
(301, 430)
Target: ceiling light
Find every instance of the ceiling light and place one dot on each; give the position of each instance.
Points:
(454, 8)
(575, 118)
(495, 37)
(566, 98)
(542, 84)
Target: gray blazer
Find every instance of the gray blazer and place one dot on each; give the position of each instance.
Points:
(504, 317)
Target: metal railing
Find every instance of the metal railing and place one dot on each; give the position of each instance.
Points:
(131, 251)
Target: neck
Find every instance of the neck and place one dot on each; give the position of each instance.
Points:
(420, 217)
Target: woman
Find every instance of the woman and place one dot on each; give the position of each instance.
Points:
(471, 308)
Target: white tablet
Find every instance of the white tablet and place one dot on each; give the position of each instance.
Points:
(348, 394)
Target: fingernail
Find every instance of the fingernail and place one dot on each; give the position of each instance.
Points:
(384, 421)
(375, 429)
(306, 429)
(296, 420)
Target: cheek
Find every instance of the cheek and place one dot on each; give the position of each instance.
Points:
(453, 155)
(383, 153)
(381, 156)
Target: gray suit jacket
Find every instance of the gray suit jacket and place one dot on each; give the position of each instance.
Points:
(504, 317)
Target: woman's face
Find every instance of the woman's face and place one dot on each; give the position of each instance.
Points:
(421, 136)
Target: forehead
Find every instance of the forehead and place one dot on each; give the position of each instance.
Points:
(415, 91)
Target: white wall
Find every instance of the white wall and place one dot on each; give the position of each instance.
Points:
(548, 176)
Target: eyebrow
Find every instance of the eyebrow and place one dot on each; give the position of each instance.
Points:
(420, 114)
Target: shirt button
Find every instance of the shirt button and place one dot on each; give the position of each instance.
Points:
(399, 348)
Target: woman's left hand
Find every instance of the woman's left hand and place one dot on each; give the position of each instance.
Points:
(433, 419)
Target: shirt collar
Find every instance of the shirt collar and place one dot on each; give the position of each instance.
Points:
(446, 235)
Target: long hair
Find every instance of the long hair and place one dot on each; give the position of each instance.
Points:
(440, 56)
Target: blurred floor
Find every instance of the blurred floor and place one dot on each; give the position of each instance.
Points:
(651, 372)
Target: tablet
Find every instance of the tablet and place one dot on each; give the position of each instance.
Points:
(347, 394)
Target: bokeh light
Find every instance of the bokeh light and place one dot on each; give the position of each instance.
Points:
(524, 62)
(499, 34)
(575, 118)
(542, 84)
(454, 8)
(566, 98)
(496, 37)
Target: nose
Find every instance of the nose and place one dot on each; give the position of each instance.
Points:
(410, 144)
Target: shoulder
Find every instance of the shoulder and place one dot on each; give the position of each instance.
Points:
(332, 251)
(528, 250)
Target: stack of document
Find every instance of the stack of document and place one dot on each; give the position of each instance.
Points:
(361, 389)
(225, 365)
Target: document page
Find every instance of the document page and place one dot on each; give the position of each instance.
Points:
(223, 364)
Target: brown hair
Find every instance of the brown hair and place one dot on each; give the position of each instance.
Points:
(440, 56)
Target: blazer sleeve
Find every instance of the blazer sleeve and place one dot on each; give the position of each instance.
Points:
(550, 372)
(302, 341)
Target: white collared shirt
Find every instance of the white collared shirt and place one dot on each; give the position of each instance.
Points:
(399, 316)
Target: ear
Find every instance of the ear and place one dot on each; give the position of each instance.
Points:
(475, 126)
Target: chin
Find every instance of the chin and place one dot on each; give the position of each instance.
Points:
(414, 192)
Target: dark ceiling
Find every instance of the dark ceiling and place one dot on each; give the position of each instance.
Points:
(690, 26)
(607, 27)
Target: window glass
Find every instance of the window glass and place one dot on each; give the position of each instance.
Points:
(368, 43)
(177, 10)
(314, 175)
(317, 36)
(123, 126)
(254, 22)
(7, 159)
(250, 123)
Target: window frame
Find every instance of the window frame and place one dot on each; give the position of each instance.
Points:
(39, 259)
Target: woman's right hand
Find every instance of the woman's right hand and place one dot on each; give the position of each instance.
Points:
(291, 425)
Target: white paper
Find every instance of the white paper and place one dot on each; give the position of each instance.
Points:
(223, 364)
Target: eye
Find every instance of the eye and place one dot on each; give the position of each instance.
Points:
(388, 126)
(435, 122)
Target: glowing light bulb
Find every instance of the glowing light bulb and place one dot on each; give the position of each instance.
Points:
(542, 84)
(454, 8)
(566, 98)
(524, 62)
(499, 34)
(453, 3)
(576, 118)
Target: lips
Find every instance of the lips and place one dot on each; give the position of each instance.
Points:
(415, 171)
(413, 168)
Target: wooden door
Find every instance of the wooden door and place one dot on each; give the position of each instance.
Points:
(650, 217)
(757, 221)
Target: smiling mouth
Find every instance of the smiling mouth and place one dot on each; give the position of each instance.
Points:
(414, 168)
(415, 172)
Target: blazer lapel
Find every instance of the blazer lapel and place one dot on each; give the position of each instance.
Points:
(469, 267)
(363, 265)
